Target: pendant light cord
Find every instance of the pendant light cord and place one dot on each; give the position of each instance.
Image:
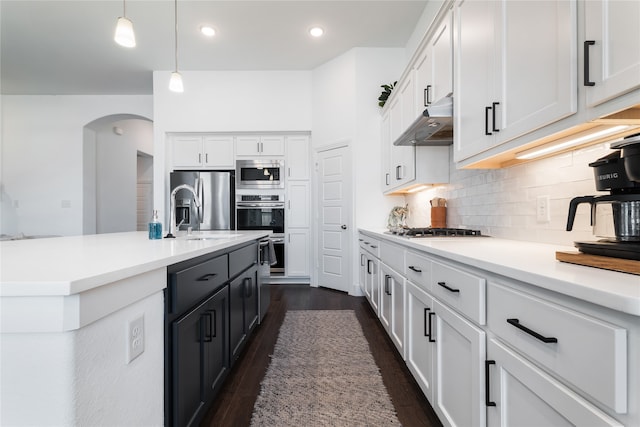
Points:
(176, 31)
(124, 8)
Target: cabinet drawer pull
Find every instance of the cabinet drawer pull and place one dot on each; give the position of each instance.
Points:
(516, 323)
(487, 393)
(587, 82)
(486, 121)
(207, 277)
(494, 108)
(374, 246)
(450, 289)
(417, 270)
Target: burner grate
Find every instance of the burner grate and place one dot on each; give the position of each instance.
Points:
(435, 232)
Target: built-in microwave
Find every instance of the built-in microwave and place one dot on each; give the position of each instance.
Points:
(259, 174)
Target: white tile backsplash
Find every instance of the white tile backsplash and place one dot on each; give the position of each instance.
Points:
(502, 202)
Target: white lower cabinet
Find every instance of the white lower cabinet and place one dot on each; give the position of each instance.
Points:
(459, 369)
(420, 351)
(297, 257)
(392, 305)
(520, 394)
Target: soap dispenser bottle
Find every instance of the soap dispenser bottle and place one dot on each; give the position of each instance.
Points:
(155, 227)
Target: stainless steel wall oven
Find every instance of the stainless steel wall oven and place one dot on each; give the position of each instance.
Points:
(264, 212)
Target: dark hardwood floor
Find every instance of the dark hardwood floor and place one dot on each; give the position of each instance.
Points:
(234, 405)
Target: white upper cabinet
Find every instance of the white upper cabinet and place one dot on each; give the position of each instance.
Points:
(434, 67)
(213, 152)
(611, 49)
(261, 146)
(297, 162)
(515, 70)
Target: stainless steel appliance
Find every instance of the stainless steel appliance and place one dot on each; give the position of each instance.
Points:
(615, 217)
(260, 174)
(215, 191)
(264, 212)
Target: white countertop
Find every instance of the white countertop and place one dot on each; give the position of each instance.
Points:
(534, 263)
(71, 265)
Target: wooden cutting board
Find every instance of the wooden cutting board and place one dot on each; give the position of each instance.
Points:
(608, 263)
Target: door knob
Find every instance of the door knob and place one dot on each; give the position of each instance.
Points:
(343, 226)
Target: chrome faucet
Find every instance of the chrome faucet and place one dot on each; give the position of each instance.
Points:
(173, 228)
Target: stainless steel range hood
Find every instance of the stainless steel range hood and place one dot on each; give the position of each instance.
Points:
(433, 127)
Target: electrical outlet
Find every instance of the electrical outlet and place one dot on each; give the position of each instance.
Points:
(135, 338)
(542, 209)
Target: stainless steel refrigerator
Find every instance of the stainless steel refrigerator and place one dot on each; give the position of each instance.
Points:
(216, 191)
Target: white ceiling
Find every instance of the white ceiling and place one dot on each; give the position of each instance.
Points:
(67, 47)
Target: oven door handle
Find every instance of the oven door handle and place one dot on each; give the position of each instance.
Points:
(260, 205)
(280, 240)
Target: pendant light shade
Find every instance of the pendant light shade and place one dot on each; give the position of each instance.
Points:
(175, 83)
(124, 33)
(124, 29)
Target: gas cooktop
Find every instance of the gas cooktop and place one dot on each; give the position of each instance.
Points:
(434, 232)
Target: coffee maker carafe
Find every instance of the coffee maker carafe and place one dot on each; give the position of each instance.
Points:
(615, 217)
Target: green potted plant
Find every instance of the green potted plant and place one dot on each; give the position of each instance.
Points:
(385, 93)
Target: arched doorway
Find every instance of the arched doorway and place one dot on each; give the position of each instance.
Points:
(117, 174)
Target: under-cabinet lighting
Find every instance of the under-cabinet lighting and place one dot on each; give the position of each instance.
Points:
(418, 188)
(561, 145)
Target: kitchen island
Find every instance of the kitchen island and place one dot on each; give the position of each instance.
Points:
(66, 309)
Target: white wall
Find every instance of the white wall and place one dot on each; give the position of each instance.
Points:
(227, 101)
(502, 202)
(42, 157)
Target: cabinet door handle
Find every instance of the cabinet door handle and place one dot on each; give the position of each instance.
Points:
(426, 315)
(495, 104)
(361, 260)
(431, 313)
(248, 289)
(487, 394)
(517, 324)
(587, 43)
(215, 325)
(450, 289)
(486, 121)
(427, 96)
(386, 284)
(199, 157)
(207, 277)
(417, 270)
(369, 262)
(398, 177)
(205, 336)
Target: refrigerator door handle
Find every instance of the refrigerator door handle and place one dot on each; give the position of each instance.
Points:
(201, 197)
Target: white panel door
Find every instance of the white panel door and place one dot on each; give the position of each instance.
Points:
(334, 218)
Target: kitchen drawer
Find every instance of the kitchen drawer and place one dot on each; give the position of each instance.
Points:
(418, 269)
(190, 285)
(462, 291)
(243, 258)
(370, 245)
(585, 351)
(392, 255)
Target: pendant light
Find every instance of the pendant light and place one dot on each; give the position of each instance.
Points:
(124, 35)
(175, 83)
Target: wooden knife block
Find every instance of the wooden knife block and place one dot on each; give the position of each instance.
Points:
(438, 217)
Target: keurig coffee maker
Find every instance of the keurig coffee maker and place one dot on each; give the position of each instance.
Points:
(615, 217)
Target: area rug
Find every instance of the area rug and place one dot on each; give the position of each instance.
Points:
(322, 373)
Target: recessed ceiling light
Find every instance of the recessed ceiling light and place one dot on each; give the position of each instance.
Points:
(208, 31)
(316, 31)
